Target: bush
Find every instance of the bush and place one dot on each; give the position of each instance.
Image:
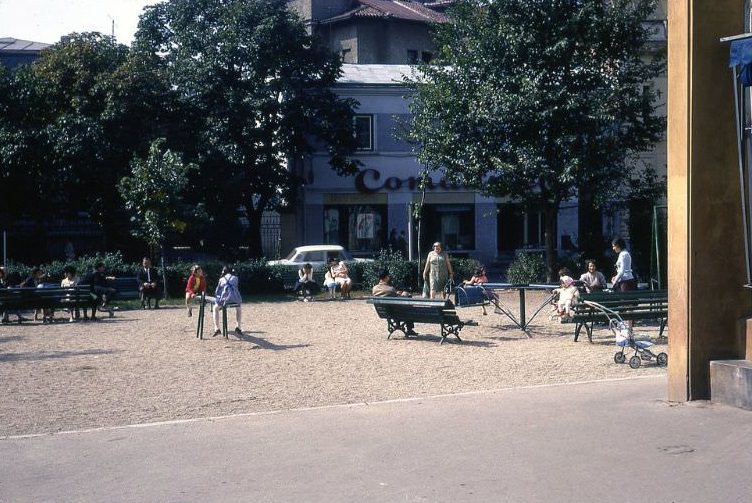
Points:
(527, 267)
(404, 273)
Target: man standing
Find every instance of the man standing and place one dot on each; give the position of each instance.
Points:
(148, 284)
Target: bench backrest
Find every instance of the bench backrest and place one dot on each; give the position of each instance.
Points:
(633, 304)
(127, 287)
(21, 298)
(416, 310)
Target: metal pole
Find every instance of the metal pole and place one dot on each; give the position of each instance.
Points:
(410, 233)
(739, 141)
(164, 274)
(5, 248)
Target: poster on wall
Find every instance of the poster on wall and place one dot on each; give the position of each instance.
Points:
(365, 226)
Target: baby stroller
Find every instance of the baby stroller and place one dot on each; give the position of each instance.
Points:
(626, 341)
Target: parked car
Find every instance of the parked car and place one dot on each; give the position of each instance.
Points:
(316, 255)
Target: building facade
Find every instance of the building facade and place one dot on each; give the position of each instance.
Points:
(15, 52)
(374, 31)
(372, 210)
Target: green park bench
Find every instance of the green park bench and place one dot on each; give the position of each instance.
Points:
(399, 311)
(632, 305)
(20, 299)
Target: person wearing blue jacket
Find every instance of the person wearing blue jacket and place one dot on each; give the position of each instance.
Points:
(227, 295)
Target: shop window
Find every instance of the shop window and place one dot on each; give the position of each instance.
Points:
(412, 56)
(363, 132)
(426, 57)
(452, 224)
(359, 228)
(520, 227)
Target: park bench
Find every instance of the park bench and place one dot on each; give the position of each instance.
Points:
(127, 288)
(399, 311)
(19, 299)
(632, 305)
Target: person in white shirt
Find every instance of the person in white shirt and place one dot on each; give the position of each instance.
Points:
(624, 279)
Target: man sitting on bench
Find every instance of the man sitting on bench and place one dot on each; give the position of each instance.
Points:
(97, 281)
(148, 284)
(384, 289)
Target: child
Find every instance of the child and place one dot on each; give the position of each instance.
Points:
(479, 277)
(329, 282)
(568, 296)
(196, 286)
(306, 285)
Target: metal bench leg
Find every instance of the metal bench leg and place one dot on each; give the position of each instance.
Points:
(577, 329)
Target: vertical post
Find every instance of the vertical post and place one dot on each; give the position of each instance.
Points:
(5, 248)
(410, 233)
(164, 273)
(523, 323)
(703, 195)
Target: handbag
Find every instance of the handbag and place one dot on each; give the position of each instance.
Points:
(426, 292)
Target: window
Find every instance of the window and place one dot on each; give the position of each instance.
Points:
(360, 228)
(412, 56)
(452, 224)
(345, 55)
(363, 125)
(426, 57)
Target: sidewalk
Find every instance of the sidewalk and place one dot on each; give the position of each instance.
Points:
(614, 441)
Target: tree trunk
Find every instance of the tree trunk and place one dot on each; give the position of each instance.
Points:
(551, 210)
(589, 222)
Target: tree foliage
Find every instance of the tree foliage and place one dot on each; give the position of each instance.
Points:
(153, 194)
(254, 89)
(61, 146)
(534, 98)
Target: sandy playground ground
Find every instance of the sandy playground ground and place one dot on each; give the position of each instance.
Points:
(145, 366)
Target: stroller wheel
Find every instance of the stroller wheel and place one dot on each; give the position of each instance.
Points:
(661, 359)
(619, 357)
(635, 362)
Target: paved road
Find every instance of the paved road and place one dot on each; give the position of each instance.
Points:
(613, 441)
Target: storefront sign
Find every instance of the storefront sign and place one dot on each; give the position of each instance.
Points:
(368, 182)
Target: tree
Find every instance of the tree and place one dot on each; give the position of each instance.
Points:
(153, 194)
(256, 88)
(535, 98)
(61, 148)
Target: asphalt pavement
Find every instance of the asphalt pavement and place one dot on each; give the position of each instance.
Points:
(606, 441)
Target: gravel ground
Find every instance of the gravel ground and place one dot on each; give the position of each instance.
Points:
(145, 366)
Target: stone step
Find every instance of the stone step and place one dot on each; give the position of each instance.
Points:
(731, 383)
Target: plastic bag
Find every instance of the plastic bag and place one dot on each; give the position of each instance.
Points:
(449, 287)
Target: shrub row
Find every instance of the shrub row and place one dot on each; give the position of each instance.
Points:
(255, 276)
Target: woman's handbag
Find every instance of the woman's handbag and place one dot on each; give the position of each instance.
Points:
(426, 292)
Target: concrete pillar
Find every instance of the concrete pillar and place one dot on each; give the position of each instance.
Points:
(706, 254)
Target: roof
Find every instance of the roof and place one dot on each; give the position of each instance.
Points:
(374, 74)
(406, 10)
(318, 248)
(10, 44)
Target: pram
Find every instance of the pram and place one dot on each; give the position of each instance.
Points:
(625, 339)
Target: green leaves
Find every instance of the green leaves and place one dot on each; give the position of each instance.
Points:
(153, 193)
(534, 98)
